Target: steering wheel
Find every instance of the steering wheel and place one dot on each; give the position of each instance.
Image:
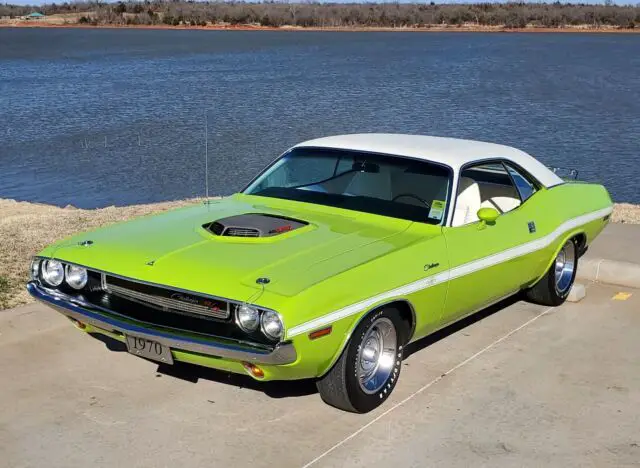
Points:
(411, 195)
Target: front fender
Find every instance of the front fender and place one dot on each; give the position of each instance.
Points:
(343, 330)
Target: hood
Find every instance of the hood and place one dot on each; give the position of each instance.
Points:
(303, 244)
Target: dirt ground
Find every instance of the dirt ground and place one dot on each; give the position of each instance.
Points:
(26, 228)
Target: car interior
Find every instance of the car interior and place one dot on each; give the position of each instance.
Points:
(409, 185)
(379, 184)
(405, 188)
(485, 186)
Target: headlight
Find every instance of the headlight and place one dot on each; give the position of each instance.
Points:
(272, 325)
(35, 268)
(247, 318)
(76, 276)
(52, 272)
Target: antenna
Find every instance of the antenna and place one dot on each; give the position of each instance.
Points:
(206, 155)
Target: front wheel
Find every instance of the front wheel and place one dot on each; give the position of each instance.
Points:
(554, 287)
(369, 367)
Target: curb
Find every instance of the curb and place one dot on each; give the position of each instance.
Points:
(609, 271)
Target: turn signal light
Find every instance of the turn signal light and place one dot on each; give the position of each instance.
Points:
(320, 333)
(253, 370)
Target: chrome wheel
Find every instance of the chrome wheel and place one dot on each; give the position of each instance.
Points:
(376, 355)
(565, 267)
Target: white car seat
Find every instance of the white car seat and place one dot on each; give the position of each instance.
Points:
(499, 197)
(502, 204)
(468, 203)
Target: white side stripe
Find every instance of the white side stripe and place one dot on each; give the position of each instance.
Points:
(453, 273)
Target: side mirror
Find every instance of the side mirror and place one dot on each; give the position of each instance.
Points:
(488, 215)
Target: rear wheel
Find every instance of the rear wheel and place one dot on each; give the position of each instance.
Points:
(369, 367)
(553, 288)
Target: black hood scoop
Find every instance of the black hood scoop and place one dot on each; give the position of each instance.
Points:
(253, 225)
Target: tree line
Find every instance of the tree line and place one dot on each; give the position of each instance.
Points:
(343, 15)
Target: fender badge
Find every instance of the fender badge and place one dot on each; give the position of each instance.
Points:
(85, 243)
(151, 263)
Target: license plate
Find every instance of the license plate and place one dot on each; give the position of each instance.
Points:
(149, 349)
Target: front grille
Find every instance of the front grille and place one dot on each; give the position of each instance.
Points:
(167, 300)
(139, 301)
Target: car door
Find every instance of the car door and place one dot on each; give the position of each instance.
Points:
(486, 260)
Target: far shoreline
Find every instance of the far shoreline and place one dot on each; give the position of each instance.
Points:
(585, 29)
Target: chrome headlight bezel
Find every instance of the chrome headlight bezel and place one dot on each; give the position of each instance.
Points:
(247, 309)
(267, 319)
(34, 271)
(52, 272)
(71, 273)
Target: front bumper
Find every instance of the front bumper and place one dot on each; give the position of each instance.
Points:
(102, 319)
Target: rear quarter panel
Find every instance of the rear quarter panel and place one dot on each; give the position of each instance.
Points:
(570, 209)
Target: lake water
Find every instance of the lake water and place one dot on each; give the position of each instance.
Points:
(102, 117)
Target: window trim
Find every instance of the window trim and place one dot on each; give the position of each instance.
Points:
(503, 162)
(449, 169)
(526, 176)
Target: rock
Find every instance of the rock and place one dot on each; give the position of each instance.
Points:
(577, 293)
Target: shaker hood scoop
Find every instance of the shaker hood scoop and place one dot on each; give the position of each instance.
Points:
(253, 225)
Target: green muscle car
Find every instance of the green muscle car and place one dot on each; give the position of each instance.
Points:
(340, 253)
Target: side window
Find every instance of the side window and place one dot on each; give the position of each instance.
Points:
(524, 186)
(484, 186)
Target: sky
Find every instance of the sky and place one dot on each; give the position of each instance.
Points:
(592, 2)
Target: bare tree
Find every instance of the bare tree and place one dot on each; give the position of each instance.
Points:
(308, 13)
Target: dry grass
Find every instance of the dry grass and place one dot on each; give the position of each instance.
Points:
(626, 213)
(26, 228)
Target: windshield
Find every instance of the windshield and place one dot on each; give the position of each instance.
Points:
(386, 185)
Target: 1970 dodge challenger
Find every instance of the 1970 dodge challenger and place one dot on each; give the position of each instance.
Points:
(340, 253)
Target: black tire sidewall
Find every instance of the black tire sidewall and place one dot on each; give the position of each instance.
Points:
(561, 297)
(361, 401)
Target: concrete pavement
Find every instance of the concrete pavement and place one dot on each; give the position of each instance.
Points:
(617, 242)
(523, 385)
(613, 257)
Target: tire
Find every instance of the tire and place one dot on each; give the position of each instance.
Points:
(551, 291)
(341, 387)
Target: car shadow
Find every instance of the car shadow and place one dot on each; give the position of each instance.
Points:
(295, 388)
(273, 389)
(457, 326)
(110, 343)
(192, 373)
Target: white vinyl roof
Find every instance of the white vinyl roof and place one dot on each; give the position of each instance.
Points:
(453, 152)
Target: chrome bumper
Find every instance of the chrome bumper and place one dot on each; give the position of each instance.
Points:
(215, 347)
